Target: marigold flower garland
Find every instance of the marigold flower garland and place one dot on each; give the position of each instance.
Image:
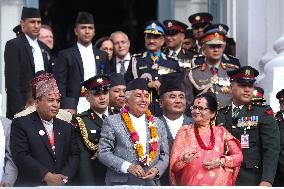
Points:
(145, 159)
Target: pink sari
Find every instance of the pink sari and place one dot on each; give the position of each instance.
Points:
(194, 173)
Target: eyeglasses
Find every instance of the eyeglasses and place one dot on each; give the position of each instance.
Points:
(199, 108)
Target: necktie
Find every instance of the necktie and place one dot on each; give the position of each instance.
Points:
(236, 112)
(122, 67)
(104, 116)
(214, 70)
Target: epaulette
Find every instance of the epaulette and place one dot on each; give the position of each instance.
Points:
(225, 108)
(171, 57)
(194, 67)
(259, 104)
(82, 114)
(198, 55)
(231, 66)
(231, 56)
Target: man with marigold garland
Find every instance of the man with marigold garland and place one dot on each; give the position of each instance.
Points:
(133, 144)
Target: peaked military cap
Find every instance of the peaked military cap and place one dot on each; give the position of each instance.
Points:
(116, 79)
(84, 18)
(173, 27)
(258, 95)
(155, 28)
(138, 83)
(96, 84)
(245, 74)
(170, 82)
(214, 34)
(280, 95)
(200, 19)
(28, 12)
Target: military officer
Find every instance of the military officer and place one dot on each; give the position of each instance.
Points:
(255, 126)
(280, 120)
(89, 123)
(116, 93)
(189, 41)
(212, 74)
(152, 63)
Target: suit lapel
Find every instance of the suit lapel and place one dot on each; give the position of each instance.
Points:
(29, 50)
(45, 56)
(99, 64)
(42, 132)
(79, 61)
(57, 136)
(169, 134)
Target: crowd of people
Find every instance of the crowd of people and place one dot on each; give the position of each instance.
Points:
(185, 112)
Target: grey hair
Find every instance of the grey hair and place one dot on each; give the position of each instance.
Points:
(118, 32)
(127, 94)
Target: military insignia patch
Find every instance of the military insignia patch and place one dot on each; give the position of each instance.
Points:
(220, 27)
(247, 72)
(269, 112)
(153, 25)
(197, 18)
(170, 24)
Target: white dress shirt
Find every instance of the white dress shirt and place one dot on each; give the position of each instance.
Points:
(174, 125)
(126, 62)
(37, 54)
(140, 126)
(171, 52)
(101, 115)
(88, 58)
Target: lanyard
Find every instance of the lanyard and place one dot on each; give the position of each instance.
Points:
(51, 140)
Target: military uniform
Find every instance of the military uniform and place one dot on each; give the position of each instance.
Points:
(261, 155)
(141, 65)
(91, 171)
(255, 126)
(203, 80)
(280, 121)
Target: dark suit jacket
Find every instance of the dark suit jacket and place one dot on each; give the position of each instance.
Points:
(69, 73)
(186, 120)
(19, 71)
(32, 152)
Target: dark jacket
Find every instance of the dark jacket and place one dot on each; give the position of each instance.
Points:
(32, 151)
(69, 73)
(19, 71)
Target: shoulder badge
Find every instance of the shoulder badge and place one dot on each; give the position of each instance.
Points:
(144, 55)
(164, 56)
(196, 66)
(134, 55)
(203, 67)
(231, 66)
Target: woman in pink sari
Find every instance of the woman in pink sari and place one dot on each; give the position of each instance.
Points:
(203, 154)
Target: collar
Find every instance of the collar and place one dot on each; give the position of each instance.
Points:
(142, 117)
(126, 58)
(215, 66)
(101, 115)
(80, 46)
(177, 51)
(50, 122)
(30, 40)
(233, 106)
(158, 54)
(178, 119)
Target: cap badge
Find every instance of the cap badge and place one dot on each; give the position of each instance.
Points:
(254, 92)
(83, 89)
(220, 28)
(153, 25)
(197, 18)
(217, 35)
(170, 24)
(247, 72)
(99, 80)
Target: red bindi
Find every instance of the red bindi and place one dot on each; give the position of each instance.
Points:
(142, 91)
(198, 101)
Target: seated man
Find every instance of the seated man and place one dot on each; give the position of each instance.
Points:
(116, 93)
(43, 147)
(133, 144)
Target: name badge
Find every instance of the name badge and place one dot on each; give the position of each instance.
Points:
(93, 131)
(245, 141)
